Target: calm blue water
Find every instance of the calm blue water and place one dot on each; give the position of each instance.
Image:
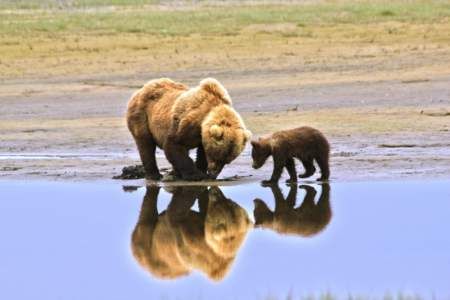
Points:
(74, 241)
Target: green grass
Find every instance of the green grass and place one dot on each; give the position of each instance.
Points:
(54, 4)
(206, 19)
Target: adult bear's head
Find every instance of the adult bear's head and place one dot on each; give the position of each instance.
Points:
(226, 224)
(224, 135)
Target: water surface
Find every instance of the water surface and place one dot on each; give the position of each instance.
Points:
(96, 241)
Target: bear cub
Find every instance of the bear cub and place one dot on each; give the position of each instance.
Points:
(305, 143)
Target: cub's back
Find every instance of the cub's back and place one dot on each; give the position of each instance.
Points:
(302, 140)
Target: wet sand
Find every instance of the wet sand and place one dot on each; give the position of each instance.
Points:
(73, 128)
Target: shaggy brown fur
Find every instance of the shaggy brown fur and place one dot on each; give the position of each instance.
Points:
(173, 243)
(306, 220)
(305, 143)
(170, 116)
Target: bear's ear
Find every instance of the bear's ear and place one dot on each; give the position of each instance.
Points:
(254, 143)
(216, 132)
(214, 87)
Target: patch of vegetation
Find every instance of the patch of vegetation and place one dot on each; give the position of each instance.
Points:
(205, 19)
(71, 36)
(387, 13)
(65, 4)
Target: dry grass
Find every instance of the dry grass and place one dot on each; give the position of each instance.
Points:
(341, 36)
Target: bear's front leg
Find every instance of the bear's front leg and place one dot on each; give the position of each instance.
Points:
(178, 156)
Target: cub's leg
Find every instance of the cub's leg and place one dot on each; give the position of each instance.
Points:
(309, 168)
(292, 196)
(308, 201)
(201, 162)
(279, 161)
(322, 161)
(324, 199)
(290, 167)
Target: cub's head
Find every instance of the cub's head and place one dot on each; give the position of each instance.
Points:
(261, 150)
(226, 224)
(262, 214)
(224, 136)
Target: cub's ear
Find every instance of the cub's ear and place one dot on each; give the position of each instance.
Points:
(254, 143)
(216, 132)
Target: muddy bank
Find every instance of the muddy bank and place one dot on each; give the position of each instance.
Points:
(70, 130)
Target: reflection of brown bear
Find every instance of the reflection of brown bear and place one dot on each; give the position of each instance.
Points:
(169, 115)
(306, 220)
(305, 143)
(175, 242)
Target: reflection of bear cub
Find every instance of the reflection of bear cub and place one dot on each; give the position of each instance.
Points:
(169, 115)
(305, 143)
(306, 220)
(175, 242)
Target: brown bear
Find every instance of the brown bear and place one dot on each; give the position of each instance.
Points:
(305, 143)
(308, 219)
(169, 115)
(178, 240)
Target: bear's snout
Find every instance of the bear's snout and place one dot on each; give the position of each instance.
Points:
(214, 170)
(213, 174)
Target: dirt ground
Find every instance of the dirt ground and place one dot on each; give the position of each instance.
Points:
(380, 127)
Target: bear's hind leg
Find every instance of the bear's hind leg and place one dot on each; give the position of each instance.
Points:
(149, 208)
(290, 167)
(308, 164)
(324, 167)
(147, 147)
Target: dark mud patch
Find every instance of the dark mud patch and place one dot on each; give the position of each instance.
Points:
(130, 188)
(131, 172)
(35, 130)
(345, 154)
(436, 145)
(419, 80)
(111, 84)
(397, 145)
(435, 113)
(9, 169)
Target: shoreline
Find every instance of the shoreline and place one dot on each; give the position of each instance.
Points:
(372, 135)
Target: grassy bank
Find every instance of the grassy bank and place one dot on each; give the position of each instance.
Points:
(117, 36)
(91, 18)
